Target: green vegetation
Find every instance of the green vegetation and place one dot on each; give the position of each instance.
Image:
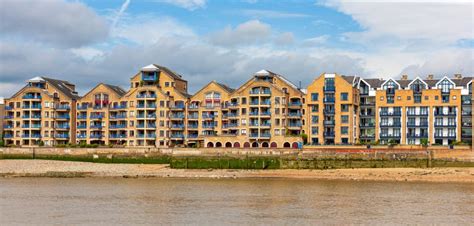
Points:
(424, 142)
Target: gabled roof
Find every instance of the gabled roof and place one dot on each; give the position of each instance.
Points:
(349, 79)
(224, 87)
(374, 82)
(62, 86)
(418, 78)
(169, 71)
(462, 81)
(116, 89)
(400, 86)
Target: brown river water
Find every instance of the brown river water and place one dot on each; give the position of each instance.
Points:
(86, 201)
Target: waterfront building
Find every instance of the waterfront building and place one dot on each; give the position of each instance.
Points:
(332, 110)
(266, 111)
(40, 113)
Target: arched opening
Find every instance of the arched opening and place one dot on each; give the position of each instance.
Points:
(210, 145)
(265, 145)
(228, 145)
(286, 145)
(236, 145)
(255, 145)
(295, 145)
(273, 145)
(246, 145)
(218, 144)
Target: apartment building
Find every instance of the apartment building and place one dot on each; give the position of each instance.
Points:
(42, 112)
(265, 111)
(332, 110)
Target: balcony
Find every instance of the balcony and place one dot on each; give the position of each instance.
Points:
(82, 107)
(389, 135)
(445, 125)
(81, 136)
(31, 96)
(95, 136)
(62, 136)
(329, 134)
(177, 107)
(63, 107)
(329, 89)
(367, 114)
(8, 117)
(192, 126)
(294, 124)
(294, 104)
(118, 116)
(82, 126)
(414, 135)
(118, 107)
(7, 136)
(82, 116)
(117, 136)
(417, 113)
(445, 136)
(8, 108)
(254, 102)
(232, 115)
(95, 126)
(36, 116)
(8, 127)
(367, 125)
(146, 96)
(61, 117)
(230, 125)
(208, 126)
(177, 126)
(95, 116)
(294, 114)
(329, 122)
(177, 136)
(452, 113)
(62, 126)
(150, 136)
(329, 100)
(397, 124)
(191, 136)
(386, 113)
(257, 92)
(423, 125)
(233, 105)
(148, 77)
(329, 112)
(177, 116)
(118, 126)
(146, 105)
(466, 113)
(467, 124)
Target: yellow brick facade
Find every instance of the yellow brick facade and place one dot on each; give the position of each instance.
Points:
(265, 111)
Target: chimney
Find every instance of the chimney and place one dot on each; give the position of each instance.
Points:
(404, 77)
(430, 77)
(458, 76)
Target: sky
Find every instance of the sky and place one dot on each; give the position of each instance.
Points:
(90, 41)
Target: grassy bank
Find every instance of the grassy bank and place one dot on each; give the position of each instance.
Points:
(225, 162)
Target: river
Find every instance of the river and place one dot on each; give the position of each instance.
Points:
(112, 201)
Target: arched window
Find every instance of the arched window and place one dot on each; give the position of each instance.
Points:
(228, 145)
(210, 145)
(236, 145)
(218, 144)
(273, 145)
(246, 145)
(255, 145)
(286, 145)
(445, 85)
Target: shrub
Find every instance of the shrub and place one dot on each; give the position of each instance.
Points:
(424, 142)
(305, 138)
(41, 143)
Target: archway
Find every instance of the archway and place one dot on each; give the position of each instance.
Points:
(218, 144)
(255, 145)
(236, 145)
(246, 145)
(286, 145)
(228, 145)
(210, 145)
(265, 145)
(273, 145)
(295, 145)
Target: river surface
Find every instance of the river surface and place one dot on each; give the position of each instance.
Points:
(77, 201)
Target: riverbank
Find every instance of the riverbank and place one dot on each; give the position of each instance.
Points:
(49, 168)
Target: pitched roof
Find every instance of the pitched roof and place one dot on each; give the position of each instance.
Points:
(170, 72)
(227, 88)
(374, 82)
(63, 86)
(116, 89)
(349, 79)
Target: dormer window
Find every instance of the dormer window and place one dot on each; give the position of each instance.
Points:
(445, 86)
(417, 86)
(390, 86)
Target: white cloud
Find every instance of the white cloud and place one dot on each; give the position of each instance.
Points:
(187, 4)
(285, 38)
(316, 41)
(250, 32)
(64, 24)
(88, 53)
(257, 13)
(148, 30)
(120, 12)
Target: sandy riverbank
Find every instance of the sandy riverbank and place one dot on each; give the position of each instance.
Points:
(46, 168)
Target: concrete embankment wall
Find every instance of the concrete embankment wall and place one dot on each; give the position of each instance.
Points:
(202, 158)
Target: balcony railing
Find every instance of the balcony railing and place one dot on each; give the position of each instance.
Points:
(30, 96)
(452, 113)
(329, 134)
(329, 88)
(141, 96)
(414, 135)
(118, 126)
(329, 100)
(445, 136)
(62, 136)
(417, 125)
(445, 125)
(394, 113)
(115, 136)
(329, 122)
(389, 135)
(95, 136)
(397, 124)
(417, 113)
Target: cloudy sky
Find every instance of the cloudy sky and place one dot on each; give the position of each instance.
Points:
(90, 41)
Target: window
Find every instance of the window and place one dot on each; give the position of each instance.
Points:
(344, 119)
(445, 86)
(244, 100)
(427, 97)
(390, 86)
(436, 97)
(314, 96)
(243, 131)
(315, 108)
(344, 96)
(417, 99)
(399, 97)
(314, 119)
(344, 108)
(390, 100)
(344, 130)
(277, 100)
(417, 86)
(408, 97)
(445, 98)
(276, 132)
(167, 84)
(314, 130)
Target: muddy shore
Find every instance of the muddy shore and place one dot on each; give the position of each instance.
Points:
(48, 168)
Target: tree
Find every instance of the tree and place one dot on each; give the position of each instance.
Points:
(424, 142)
(305, 138)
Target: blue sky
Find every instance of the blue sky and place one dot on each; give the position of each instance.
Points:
(91, 41)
